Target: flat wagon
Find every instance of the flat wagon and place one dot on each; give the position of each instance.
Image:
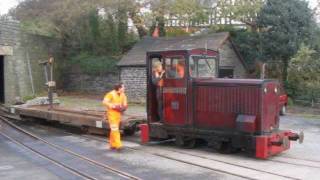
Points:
(93, 121)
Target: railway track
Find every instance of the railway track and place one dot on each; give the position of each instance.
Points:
(302, 159)
(203, 157)
(234, 165)
(280, 159)
(297, 162)
(96, 169)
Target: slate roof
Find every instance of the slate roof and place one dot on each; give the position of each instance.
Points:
(137, 55)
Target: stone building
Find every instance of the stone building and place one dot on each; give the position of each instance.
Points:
(133, 64)
(20, 53)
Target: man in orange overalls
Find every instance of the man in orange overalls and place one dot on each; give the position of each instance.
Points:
(116, 103)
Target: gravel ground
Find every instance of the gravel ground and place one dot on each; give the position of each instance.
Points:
(310, 149)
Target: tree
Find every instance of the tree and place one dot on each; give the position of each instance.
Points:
(189, 11)
(159, 8)
(284, 25)
(245, 11)
(97, 26)
(123, 24)
(304, 74)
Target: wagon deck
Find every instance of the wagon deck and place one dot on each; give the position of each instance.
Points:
(91, 119)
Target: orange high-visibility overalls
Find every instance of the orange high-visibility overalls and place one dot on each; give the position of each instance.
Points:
(114, 116)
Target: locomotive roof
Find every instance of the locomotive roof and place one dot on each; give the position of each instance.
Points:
(137, 55)
(181, 50)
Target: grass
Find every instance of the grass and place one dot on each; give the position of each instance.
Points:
(305, 112)
(306, 115)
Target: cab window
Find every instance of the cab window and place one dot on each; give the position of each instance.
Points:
(175, 67)
(203, 67)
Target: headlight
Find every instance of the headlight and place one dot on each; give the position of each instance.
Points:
(265, 90)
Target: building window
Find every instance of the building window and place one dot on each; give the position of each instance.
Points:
(226, 72)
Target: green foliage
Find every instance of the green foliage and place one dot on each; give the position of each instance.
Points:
(248, 44)
(244, 11)
(27, 98)
(189, 10)
(276, 32)
(284, 25)
(159, 10)
(159, 21)
(290, 101)
(222, 28)
(91, 32)
(174, 32)
(304, 74)
(247, 41)
(94, 65)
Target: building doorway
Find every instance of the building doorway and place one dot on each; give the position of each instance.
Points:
(226, 73)
(2, 98)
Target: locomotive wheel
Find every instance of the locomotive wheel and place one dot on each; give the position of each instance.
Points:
(179, 141)
(185, 142)
(190, 143)
(226, 148)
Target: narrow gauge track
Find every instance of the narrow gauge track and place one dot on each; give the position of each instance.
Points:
(90, 137)
(6, 124)
(302, 159)
(67, 168)
(202, 157)
(295, 163)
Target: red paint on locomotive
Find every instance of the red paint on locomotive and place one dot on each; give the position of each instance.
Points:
(230, 114)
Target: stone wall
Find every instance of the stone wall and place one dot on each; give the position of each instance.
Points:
(229, 58)
(135, 81)
(97, 84)
(22, 53)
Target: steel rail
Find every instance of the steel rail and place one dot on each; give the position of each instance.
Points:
(303, 159)
(68, 168)
(185, 162)
(110, 169)
(295, 164)
(211, 159)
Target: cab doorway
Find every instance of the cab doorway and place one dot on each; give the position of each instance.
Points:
(2, 98)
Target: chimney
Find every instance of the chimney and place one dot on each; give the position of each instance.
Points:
(155, 33)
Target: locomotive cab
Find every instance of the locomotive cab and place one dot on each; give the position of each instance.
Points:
(186, 101)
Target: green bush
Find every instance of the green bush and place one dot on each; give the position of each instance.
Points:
(290, 101)
(27, 98)
(174, 32)
(94, 65)
(304, 75)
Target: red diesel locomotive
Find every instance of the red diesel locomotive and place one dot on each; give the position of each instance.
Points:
(190, 103)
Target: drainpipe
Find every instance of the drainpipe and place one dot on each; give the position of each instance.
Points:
(263, 71)
(30, 73)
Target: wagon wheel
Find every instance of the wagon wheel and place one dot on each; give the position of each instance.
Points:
(85, 129)
(185, 142)
(191, 143)
(227, 148)
(129, 131)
